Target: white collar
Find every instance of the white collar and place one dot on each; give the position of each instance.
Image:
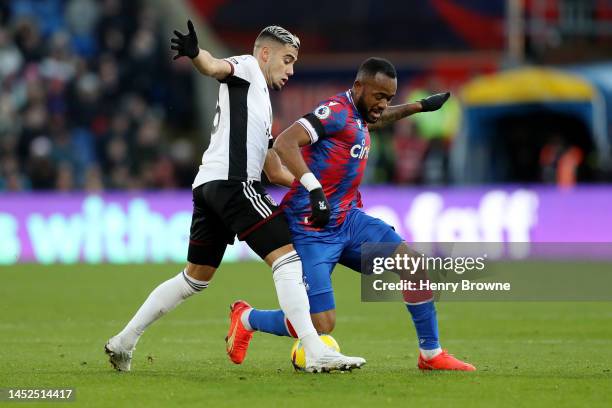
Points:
(349, 95)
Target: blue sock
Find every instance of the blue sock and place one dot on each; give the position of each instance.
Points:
(269, 321)
(426, 324)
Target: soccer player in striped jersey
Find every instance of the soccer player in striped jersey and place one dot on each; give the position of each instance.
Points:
(229, 200)
(323, 205)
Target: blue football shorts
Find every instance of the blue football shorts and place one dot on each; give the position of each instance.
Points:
(344, 246)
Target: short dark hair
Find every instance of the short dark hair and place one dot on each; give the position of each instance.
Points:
(278, 34)
(374, 65)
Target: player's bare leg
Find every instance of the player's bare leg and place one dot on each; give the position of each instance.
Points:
(324, 322)
(200, 272)
(165, 297)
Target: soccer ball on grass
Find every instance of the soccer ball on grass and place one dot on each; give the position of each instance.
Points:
(298, 354)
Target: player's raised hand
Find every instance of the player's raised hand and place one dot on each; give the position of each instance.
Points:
(185, 45)
(434, 102)
(320, 208)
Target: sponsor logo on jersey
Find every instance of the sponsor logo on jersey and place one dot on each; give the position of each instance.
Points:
(360, 151)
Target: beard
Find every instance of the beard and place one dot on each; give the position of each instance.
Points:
(363, 111)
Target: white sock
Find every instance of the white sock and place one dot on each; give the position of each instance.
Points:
(164, 298)
(314, 346)
(292, 298)
(429, 354)
(244, 318)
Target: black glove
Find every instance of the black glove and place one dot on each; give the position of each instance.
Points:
(320, 208)
(186, 45)
(434, 102)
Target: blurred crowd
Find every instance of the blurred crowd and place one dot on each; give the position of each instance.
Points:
(414, 151)
(89, 99)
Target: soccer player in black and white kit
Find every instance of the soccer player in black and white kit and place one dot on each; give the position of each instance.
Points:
(228, 198)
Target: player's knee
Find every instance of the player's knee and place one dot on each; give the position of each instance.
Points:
(324, 322)
(200, 272)
(325, 327)
(278, 253)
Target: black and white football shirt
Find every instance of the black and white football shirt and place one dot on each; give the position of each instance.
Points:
(242, 126)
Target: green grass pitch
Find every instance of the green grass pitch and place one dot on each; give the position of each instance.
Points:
(55, 320)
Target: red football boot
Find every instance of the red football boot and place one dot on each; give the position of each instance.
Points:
(444, 361)
(238, 337)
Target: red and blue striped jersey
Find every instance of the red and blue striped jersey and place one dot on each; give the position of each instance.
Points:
(337, 156)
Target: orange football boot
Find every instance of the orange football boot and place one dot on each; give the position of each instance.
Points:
(444, 361)
(238, 337)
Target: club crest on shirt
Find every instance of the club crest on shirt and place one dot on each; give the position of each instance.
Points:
(322, 112)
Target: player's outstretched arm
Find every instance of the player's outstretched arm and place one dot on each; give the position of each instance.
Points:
(186, 45)
(287, 145)
(275, 171)
(397, 112)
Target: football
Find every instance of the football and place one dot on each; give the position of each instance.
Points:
(298, 354)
